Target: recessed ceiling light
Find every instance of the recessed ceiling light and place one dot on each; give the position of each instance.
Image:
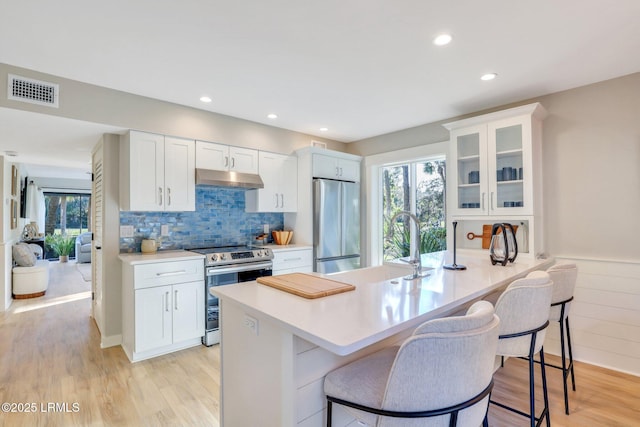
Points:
(11, 153)
(272, 116)
(488, 76)
(324, 129)
(442, 40)
(205, 99)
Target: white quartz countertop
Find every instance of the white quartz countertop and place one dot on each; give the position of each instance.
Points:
(382, 304)
(160, 256)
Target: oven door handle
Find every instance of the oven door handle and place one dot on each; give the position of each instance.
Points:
(212, 271)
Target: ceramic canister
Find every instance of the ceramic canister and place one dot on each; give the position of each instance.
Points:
(148, 246)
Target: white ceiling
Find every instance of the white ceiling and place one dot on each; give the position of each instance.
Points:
(359, 67)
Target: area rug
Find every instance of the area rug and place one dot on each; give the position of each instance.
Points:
(85, 271)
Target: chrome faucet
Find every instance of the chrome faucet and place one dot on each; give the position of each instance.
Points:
(414, 259)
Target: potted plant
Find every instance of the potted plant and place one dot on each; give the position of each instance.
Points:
(61, 244)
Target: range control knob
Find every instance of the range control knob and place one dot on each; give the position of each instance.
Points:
(223, 257)
(214, 257)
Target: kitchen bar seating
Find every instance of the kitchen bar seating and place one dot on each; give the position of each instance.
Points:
(442, 372)
(564, 282)
(523, 309)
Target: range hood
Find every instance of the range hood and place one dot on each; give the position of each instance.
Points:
(228, 179)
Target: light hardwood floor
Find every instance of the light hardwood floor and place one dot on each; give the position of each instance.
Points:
(49, 353)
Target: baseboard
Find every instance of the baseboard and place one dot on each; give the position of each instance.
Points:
(110, 341)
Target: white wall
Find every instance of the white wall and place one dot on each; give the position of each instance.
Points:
(8, 236)
(604, 315)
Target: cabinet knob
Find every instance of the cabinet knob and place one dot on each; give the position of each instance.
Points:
(160, 195)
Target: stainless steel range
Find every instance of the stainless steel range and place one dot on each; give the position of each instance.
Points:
(224, 266)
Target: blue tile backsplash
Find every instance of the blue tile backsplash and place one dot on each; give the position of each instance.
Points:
(219, 220)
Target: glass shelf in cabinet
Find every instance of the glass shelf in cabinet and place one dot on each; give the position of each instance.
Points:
(509, 153)
(511, 181)
(468, 185)
(469, 158)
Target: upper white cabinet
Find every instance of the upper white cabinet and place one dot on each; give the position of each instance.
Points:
(279, 174)
(157, 173)
(222, 157)
(494, 174)
(325, 166)
(495, 162)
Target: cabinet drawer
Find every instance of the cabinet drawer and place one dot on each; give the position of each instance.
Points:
(292, 259)
(166, 273)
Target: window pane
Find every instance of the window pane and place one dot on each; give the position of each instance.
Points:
(430, 205)
(396, 197)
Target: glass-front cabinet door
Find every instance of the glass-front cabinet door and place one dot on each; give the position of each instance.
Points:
(469, 148)
(510, 166)
(492, 168)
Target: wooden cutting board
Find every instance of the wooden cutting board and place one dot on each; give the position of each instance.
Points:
(305, 285)
(486, 235)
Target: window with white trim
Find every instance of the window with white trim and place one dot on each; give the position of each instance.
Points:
(417, 187)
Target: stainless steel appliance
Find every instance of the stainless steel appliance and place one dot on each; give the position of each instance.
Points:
(336, 225)
(224, 266)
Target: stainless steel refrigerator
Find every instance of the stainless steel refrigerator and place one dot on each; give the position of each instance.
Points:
(336, 225)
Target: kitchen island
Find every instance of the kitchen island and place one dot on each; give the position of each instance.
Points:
(277, 347)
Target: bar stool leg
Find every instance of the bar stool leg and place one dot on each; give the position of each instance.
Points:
(545, 395)
(565, 371)
(573, 378)
(532, 390)
(329, 407)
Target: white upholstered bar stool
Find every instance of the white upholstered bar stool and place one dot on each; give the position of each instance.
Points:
(523, 309)
(564, 283)
(440, 375)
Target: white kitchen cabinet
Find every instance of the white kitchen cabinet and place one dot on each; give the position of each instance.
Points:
(326, 166)
(494, 165)
(279, 174)
(165, 315)
(289, 259)
(153, 318)
(222, 157)
(494, 175)
(157, 173)
(163, 307)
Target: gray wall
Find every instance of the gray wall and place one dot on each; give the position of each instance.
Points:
(97, 104)
(591, 170)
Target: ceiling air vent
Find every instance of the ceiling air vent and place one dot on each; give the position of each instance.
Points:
(33, 91)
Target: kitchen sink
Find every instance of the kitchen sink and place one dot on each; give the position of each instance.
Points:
(387, 271)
